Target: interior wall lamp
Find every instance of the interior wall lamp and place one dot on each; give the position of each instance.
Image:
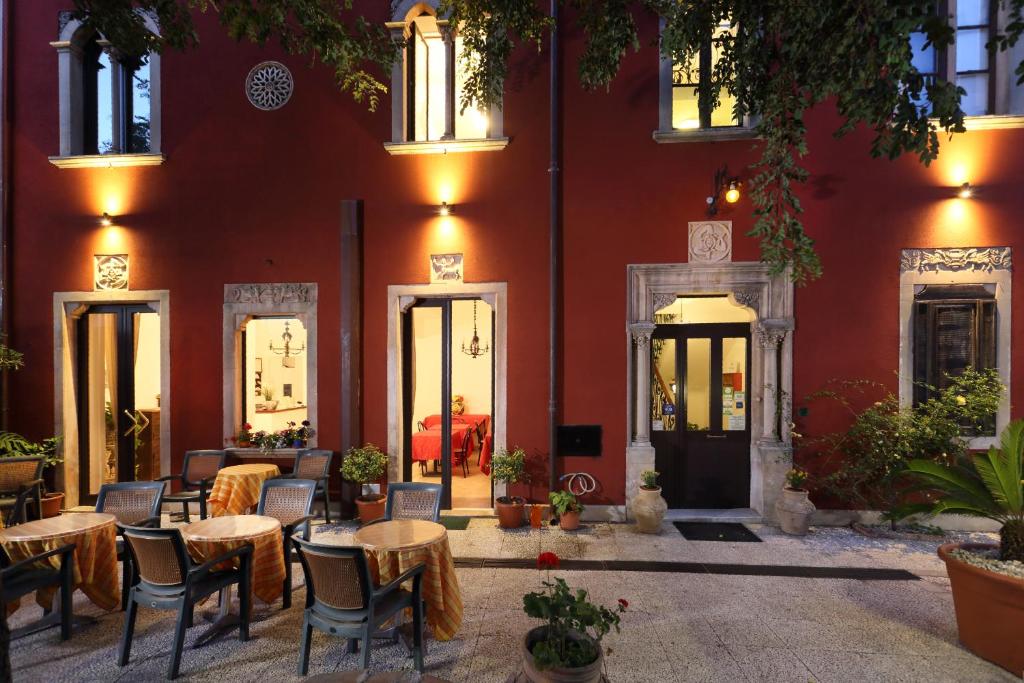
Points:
(965, 191)
(106, 220)
(445, 209)
(725, 187)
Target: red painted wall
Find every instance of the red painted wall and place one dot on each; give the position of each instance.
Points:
(250, 196)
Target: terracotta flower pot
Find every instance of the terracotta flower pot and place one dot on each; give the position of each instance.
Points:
(591, 673)
(989, 609)
(569, 521)
(510, 514)
(52, 503)
(371, 507)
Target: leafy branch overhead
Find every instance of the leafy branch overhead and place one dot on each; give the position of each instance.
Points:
(777, 61)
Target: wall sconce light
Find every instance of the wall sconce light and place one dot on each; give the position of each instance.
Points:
(966, 191)
(444, 210)
(725, 187)
(106, 220)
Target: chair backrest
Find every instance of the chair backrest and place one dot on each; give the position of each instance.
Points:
(131, 501)
(413, 500)
(338, 576)
(286, 500)
(201, 465)
(312, 463)
(159, 555)
(16, 472)
(465, 445)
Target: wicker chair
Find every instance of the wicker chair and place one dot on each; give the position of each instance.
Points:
(341, 600)
(315, 464)
(133, 503)
(22, 578)
(21, 482)
(168, 579)
(290, 502)
(412, 500)
(197, 475)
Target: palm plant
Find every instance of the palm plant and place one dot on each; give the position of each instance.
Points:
(989, 485)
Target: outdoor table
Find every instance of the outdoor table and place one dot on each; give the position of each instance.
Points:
(426, 445)
(398, 545)
(94, 535)
(217, 535)
(237, 488)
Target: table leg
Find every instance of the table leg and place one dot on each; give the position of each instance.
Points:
(222, 620)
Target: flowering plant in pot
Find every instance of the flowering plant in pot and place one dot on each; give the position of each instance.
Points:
(794, 508)
(365, 465)
(509, 467)
(566, 508)
(648, 506)
(987, 580)
(568, 647)
(244, 438)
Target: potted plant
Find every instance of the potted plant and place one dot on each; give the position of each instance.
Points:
(363, 466)
(14, 445)
(567, 508)
(987, 580)
(648, 506)
(566, 649)
(794, 508)
(268, 399)
(244, 439)
(509, 467)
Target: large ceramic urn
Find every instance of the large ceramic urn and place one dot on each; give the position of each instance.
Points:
(794, 510)
(649, 509)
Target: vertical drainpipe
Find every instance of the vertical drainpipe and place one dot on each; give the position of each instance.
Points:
(5, 204)
(351, 328)
(555, 237)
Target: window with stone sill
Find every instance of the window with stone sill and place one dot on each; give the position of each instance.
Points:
(429, 111)
(986, 75)
(108, 102)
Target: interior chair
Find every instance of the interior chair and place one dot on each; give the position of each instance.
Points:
(289, 501)
(169, 579)
(412, 500)
(197, 474)
(461, 451)
(133, 503)
(21, 578)
(21, 483)
(484, 460)
(315, 464)
(341, 600)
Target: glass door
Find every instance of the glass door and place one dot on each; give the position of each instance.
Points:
(118, 396)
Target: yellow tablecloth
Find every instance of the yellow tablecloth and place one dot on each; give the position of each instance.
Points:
(95, 556)
(440, 584)
(237, 488)
(267, 557)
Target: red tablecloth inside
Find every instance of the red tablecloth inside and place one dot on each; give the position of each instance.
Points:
(426, 445)
(479, 423)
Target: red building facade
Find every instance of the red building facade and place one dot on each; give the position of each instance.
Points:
(246, 196)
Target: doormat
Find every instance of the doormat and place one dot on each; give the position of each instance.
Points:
(716, 531)
(454, 522)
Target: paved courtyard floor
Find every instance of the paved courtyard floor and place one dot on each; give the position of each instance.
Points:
(689, 625)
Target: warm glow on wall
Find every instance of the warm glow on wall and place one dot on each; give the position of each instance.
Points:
(112, 239)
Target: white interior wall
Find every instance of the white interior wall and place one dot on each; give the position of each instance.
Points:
(147, 362)
(259, 334)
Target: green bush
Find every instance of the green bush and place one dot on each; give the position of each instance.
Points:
(364, 465)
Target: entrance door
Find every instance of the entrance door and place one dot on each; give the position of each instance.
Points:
(118, 396)
(447, 397)
(700, 425)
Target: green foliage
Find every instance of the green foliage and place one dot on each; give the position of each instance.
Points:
(15, 445)
(563, 502)
(796, 478)
(569, 613)
(509, 466)
(364, 465)
(10, 359)
(649, 479)
(865, 461)
(773, 64)
(989, 485)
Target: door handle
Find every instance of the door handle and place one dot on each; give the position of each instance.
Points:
(716, 436)
(139, 422)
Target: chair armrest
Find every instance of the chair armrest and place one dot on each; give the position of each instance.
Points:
(286, 475)
(149, 522)
(170, 477)
(29, 485)
(207, 566)
(413, 573)
(289, 529)
(63, 550)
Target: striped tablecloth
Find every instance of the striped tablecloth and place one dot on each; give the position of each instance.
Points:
(95, 539)
(237, 488)
(440, 584)
(216, 535)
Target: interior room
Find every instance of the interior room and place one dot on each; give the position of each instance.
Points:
(275, 373)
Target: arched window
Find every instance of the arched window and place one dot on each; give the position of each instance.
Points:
(427, 89)
(109, 102)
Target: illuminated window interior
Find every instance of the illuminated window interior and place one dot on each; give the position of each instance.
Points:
(274, 378)
(688, 111)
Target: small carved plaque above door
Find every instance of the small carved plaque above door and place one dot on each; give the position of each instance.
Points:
(710, 241)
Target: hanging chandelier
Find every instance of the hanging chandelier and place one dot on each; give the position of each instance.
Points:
(286, 350)
(475, 350)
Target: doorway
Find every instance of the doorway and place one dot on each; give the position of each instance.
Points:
(118, 386)
(700, 415)
(448, 397)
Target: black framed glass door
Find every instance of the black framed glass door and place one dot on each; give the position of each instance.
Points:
(118, 395)
(700, 418)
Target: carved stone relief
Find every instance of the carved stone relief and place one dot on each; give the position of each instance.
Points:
(710, 241)
(269, 293)
(980, 259)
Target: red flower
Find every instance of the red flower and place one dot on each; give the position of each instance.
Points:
(623, 603)
(547, 561)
